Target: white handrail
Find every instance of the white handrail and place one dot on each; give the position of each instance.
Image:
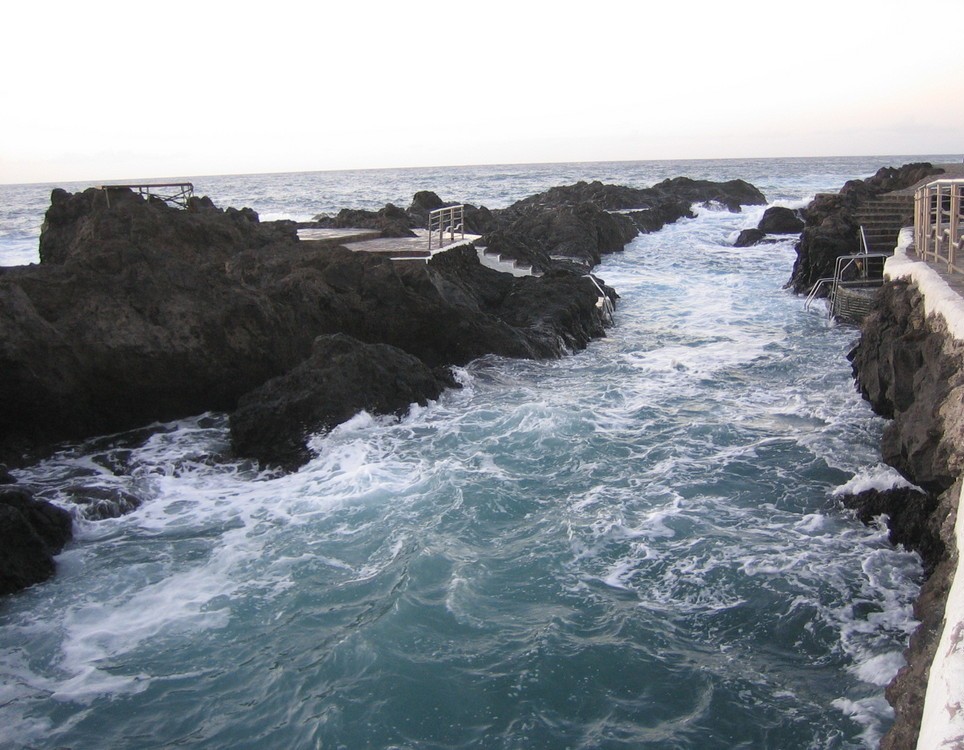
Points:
(939, 222)
(449, 219)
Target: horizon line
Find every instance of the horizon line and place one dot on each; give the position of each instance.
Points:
(959, 156)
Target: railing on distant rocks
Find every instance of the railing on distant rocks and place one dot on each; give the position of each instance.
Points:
(171, 192)
(939, 222)
(449, 219)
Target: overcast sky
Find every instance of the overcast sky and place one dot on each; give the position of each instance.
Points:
(129, 90)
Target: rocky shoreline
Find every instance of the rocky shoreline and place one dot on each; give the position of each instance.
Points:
(141, 312)
(911, 370)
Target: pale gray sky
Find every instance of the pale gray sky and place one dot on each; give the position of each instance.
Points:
(125, 90)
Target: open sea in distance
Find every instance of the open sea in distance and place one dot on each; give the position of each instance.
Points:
(636, 546)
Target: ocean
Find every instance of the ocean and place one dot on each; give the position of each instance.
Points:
(635, 546)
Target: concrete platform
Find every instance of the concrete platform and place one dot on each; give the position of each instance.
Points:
(406, 248)
(360, 240)
(333, 237)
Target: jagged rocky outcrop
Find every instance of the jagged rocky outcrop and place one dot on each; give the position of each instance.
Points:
(579, 234)
(576, 224)
(911, 519)
(32, 531)
(912, 372)
(142, 312)
(274, 421)
(831, 227)
(733, 194)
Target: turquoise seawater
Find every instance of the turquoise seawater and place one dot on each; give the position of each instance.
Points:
(636, 546)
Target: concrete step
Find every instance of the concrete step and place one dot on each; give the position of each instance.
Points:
(497, 262)
(884, 210)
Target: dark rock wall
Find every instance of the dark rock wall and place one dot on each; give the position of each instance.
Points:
(141, 312)
(912, 372)
(32, 531)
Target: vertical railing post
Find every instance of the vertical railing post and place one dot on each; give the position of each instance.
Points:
(953, 225)
(921, 213)
(941, 223)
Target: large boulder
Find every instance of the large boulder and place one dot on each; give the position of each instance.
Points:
(775, 220)
(749, 237)
(342, 377)
(780, 220)
(580, 233)
(31, 532)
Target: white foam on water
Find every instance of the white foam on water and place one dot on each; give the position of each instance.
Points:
(880, 477)
(880, 669)
(869, 713)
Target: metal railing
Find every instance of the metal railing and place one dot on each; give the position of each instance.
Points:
(604, 303)
(174, 192)
(939, 223)
(449, 219)
(861, 271)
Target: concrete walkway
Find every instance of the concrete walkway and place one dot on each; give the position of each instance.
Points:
(407, 248)
(371, 241)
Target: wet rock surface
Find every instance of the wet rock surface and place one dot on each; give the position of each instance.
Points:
(912, 372)
(781, 220)
(273, 422)
(911, 519)
(32, 531)
(775, 220)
